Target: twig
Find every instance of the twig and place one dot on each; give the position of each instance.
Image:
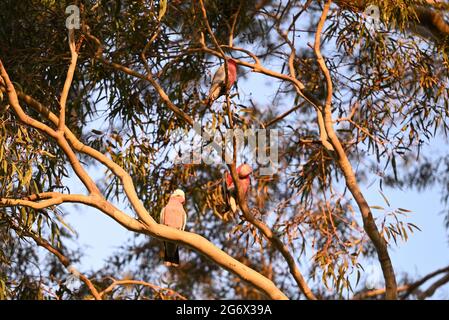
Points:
(68, 80)
(154, 287)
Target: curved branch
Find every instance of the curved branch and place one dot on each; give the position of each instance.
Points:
(154, 287)
(68, 80)
(192, 240)
(407, 288)
(431, 290)
(418, 283)
(59, 138)
(369, 223)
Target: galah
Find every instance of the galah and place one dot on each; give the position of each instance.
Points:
(173, 215)
(230, 191)
(218, 87)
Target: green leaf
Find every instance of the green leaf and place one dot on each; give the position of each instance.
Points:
(358, 278)
(414, 226)
(65, 224)
(39, 225)
(385, 198)
(393, 163)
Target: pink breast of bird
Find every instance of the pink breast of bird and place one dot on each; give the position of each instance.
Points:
(174, 214)
(244, 183)
(229, 181)
(232, 73)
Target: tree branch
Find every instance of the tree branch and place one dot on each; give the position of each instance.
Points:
(59, 138)
(61, 257)
(431, 290)
(68, 81)
(416, 284)
(407, 288)
(154, 287)
(369, 223)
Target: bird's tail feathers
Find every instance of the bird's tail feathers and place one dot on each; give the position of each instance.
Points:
(171, 254)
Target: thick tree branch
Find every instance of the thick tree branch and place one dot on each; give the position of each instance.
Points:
(350, 178)
(417, 284)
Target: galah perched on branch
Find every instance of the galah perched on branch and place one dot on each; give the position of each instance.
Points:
(230, 191)
(218, 86)
(173, 215)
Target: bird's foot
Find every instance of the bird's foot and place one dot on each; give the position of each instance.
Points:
(171, 264)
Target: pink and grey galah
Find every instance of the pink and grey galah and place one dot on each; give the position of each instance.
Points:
(218, 86)
(230, 191)
(173, 215)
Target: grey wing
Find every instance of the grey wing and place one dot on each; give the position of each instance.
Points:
(161, 218)
(219, 76)
(184, 222)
